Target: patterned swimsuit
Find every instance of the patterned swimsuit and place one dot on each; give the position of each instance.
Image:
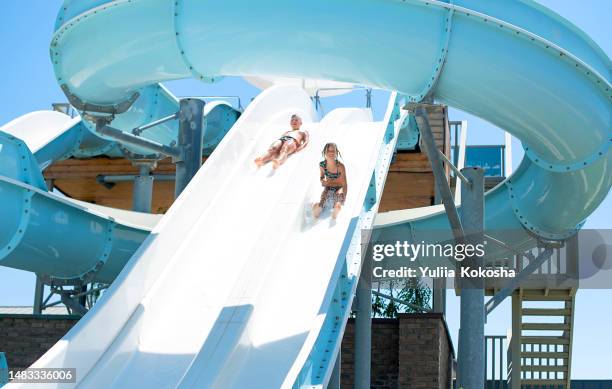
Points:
(331, 192)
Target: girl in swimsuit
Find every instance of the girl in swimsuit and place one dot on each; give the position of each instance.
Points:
(333, 179)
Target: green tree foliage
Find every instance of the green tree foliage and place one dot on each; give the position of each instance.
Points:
(412, 290)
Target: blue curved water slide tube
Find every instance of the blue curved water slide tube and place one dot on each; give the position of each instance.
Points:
(37, 222)
(519, 66)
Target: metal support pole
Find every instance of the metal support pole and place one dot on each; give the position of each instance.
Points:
(471, 360)
(440, 177)
(189, 142)
(334, 381)
(38, 295)
(363, 326)
(439, 295)
(514, 362)
(143, 186)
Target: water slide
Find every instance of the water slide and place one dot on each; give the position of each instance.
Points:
(517, 65)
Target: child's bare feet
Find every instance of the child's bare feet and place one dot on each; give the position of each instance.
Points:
(259, 162)
(316, 211)
(275, 164)
(336, 211)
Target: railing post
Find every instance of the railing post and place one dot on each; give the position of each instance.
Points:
(189, 142)
(514, 345)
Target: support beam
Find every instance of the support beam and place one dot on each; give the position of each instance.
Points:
(190, 137)
(471, 360)
(143, 186)
(442, 186)
(124, 137)
(363, 326)
(38, 295)
(513, 283)
(334, 380)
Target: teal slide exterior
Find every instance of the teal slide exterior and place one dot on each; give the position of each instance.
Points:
(520, 67)
(33, 238)
(49, 235)
(516, 65)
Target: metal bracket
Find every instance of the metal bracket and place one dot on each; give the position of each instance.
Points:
(103, 129)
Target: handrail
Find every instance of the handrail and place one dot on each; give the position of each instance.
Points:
(368, 90)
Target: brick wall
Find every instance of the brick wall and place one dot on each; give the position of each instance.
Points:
(24, 338)
(424, 352)
(385, 346)
(412, 351)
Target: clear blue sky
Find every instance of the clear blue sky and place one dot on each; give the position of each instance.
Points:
(28, 84)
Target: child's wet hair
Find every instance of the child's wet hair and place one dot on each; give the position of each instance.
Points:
(327, 146)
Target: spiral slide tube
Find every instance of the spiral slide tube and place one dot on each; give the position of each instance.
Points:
(518, 66)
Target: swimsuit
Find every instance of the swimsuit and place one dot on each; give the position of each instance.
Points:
(288, 139)
(331, 192)
(327, 173)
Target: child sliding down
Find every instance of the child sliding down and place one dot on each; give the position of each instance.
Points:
(333, 179)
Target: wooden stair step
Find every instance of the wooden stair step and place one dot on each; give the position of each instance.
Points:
(545, 311)
(543, 382)
(543, 340)
(546, 326)
(549, 369)
(544, 355)
(550, 295)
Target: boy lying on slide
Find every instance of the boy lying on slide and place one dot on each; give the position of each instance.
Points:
(289, 143)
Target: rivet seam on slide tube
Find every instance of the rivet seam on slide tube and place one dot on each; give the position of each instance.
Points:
(530, 226)
(89, 275)
(90, 152)
(178, 33)
(132, 156)
(586, 69)
(601, 82)
(347, 283)
(75, 147)
(59, 22)
(432, 80)
(564, 168)
(24, 221)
